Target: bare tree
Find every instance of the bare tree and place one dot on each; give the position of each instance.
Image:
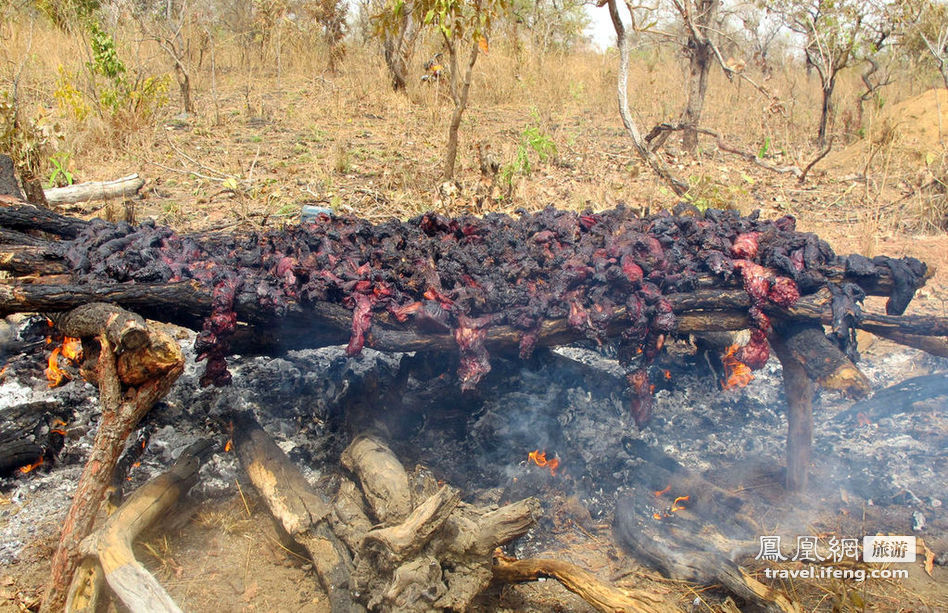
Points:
(176, 29)
(464, 26)
(838, 33)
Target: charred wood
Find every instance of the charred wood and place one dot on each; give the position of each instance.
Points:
(799, 390)
(901, 397)
(29, 260)
(823, 361)
(439, 555)
(30, 434)
(23, 218)
(126, 331)
(686, 548)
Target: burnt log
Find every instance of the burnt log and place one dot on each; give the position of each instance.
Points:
(23, 218)
(31, 434)
(799, 390)
(439, 555)
(110, 558)
(685, 546)
(823, 361)
(126, 331)
(260, 332)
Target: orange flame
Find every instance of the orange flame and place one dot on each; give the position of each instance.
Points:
(738, 374)
(676, 507)
(668, 374)
(539, 458)
(30, 467)
(54, 373)
(71, 350)
(656, 516)
(662, 492)
(228, 446)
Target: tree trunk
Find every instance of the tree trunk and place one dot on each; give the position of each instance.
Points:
(460, 104)
(397, 50)
(184, 84)
(699, 53)
(827, 109)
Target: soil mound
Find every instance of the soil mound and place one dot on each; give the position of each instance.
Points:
(911, 132)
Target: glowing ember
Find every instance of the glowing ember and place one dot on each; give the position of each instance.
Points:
(662, 492)
(71, 351)
(539, 458)
(30, 467)
(738, 374)
(228, 446)
(668, 374)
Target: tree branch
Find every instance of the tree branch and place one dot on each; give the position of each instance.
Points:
(677, 185)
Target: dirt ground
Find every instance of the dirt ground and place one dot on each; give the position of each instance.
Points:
(270, 154)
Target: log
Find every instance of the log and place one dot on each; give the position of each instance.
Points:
(122, 408)
(27, 217)
(126, 331)
(687, 548)
(111, 546)
(799, 390)
(31, 433)
(823, 361)
(29, 260)
(323, 324)
(298, 508)
(439, 557)
(392, 545)
(123, 187)
(383, 478)
(601, 595)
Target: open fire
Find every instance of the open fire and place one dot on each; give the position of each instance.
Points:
(68, 352)
(539, 458)
(693, 467)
